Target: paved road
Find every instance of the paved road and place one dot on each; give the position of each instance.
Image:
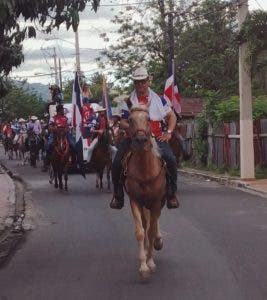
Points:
(214, 246)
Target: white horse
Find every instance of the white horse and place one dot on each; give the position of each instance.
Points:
(22, 148)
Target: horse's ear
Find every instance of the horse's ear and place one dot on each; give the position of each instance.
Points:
(128, 102)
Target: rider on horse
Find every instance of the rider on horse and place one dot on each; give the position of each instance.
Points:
(95, 126)
(7, 130)
(35, 126)
(57, 122)
(117, 132)
(159, 112)
(22, 129)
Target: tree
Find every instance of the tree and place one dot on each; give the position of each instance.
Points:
(254, 31)
(141, 41)
(205, 51)
(95, 82)
(19, 102)
(49, 13)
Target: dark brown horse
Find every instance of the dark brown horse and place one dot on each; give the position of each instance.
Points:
(101, 159)
(9, 145)
(145, 184)
(178, 146)
(60, 158)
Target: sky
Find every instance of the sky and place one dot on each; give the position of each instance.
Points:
(38, 63)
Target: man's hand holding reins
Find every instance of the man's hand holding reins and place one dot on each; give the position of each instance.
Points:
(165, 137)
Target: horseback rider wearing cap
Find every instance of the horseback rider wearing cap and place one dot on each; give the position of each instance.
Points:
(59, 121)
(35, 125)
(159, 112)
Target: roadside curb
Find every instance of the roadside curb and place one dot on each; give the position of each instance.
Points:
(235, 182)
(13, 231)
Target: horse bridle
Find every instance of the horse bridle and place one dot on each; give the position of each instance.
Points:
(135, 133)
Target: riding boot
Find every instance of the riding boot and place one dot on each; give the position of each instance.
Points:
(172, 201)
(171, 195)
(117, 201)
(45, 164)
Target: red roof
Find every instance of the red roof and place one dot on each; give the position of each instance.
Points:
(191, 107)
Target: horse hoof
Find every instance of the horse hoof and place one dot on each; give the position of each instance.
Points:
(152, 266)
(158, 244)
(144, 273)
(56, 186)
(66, 188)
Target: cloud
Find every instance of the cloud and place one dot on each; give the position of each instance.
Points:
(39, 52)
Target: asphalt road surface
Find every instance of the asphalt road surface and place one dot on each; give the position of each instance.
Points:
(214, 246)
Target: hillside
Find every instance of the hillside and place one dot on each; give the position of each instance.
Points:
(40, 89)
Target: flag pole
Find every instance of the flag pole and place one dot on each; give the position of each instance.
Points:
(173, 83)
(105, 96)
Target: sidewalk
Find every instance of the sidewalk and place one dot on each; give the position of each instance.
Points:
(254, 185)
(7, 200)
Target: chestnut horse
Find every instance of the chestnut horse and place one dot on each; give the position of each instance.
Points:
(145, 183)
(60, 158)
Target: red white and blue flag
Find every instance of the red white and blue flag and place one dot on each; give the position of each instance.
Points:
(77, 121)
(171, 94)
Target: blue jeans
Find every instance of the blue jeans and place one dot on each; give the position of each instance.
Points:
(168, 156)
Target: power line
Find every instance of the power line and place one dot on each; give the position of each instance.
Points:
(124, 4)
(259, 5)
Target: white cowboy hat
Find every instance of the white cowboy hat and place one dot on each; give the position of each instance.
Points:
(140, 74)
(116, 112)
(100, 108)
(21, 120)
(34, 118)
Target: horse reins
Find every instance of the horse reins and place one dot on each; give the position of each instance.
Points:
(60, 153)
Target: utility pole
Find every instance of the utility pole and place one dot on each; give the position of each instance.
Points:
(55, 65)
(247, 170)
(77, 49)
(60, 74)
(171, 39)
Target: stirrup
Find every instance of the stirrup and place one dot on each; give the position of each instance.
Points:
(172, 201)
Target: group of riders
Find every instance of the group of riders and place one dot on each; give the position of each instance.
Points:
(95, 123)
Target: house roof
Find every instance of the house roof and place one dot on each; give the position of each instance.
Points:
(191, 107)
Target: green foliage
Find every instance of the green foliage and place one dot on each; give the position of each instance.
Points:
(254, 31)
(227, 110)
(260, 172)
(96, 86)
(260, 108)
(20, 103)
(206, 50)
(95, 82)
(200, 144)
(67, 91)
(205, 47)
